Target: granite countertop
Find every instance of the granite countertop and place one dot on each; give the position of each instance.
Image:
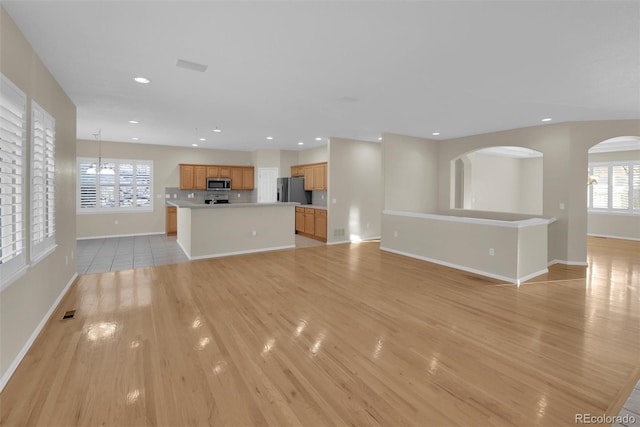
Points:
(194, 205)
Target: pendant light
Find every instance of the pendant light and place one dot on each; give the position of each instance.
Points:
(101, 169)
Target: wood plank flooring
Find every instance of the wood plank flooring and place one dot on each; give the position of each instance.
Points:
(335, 335)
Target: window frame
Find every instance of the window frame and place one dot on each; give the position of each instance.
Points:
(16, 266)
(610, 183)
(117, 209)
(42, 242)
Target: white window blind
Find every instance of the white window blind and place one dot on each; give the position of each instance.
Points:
(13, 123)
(114, 185)
(617, 187)
(42, 182)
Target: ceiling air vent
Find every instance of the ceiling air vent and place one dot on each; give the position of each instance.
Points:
(191, 65)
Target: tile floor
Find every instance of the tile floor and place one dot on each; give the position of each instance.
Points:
(123, 253)
(631, 409)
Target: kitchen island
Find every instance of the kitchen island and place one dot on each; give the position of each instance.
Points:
(208, 231)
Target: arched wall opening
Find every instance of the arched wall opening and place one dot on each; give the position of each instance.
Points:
(498, 179)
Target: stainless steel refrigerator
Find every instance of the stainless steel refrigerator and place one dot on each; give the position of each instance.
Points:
(292, 190)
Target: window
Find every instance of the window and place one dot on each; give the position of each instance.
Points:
(43, 141)
(114, 185)
(616, 188)
(13, 123)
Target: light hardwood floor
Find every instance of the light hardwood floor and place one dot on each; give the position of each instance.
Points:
(335, 335)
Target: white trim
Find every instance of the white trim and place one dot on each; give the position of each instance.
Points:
(560, 261)
(338, 242)
(531, 222)
(600, 211)
(636, 239)
(43, 255)
(16, 361)
(532, 275)
(107, 211)
(459, 267)
(120, 235)
(8, 281)
(251, 251)
(183, 249)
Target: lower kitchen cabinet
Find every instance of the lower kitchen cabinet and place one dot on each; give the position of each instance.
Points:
(299, 219)
(311, 222)
(172, 221)
(321, 224)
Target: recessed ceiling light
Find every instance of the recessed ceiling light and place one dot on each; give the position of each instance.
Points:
(134, 122)
(135, 138)
(300, 143)
(217, 130)
(203, 139)
(194, 145)
(435, 133)
(142, 80)
(318, 139)
(379, 138)
(269, 138)
(548, 119)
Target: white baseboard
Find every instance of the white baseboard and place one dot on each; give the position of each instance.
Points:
(532, 275)
(560, 261)
(365, 239)
(183, 249)
(250, 251)
(14, 365)
(341, 242)
(614, 237)
(120, 235)
(457, 266)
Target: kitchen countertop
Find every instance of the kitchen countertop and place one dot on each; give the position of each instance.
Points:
(315, 207)
(193, 205)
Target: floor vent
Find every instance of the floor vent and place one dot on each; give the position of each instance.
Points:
(69, 314)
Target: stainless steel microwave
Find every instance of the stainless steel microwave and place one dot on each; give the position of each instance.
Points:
(218, 184)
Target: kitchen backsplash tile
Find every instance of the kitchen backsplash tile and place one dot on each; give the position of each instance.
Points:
(199, 196)
(319, 198)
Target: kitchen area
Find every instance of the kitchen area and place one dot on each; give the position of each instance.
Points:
(215, 211)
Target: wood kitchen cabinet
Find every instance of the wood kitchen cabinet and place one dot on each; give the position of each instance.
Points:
(171, 227)
(194, 177)
(299, 219)
(311, 222)
(315, 175)
(186, 177)
(200, 177)
(308, 178)
(320, 226)
(248, 178)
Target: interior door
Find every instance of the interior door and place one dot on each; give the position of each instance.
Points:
(267, 185)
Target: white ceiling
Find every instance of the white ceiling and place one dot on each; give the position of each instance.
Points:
(302, 69)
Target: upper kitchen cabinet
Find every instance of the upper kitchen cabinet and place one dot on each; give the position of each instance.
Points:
(242, 178)
(199, 177)
(315, 175)
(194, 177)
(186, 177)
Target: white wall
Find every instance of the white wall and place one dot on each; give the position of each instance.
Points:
(24, 305)
(313, 155)
(530, 191)
(410, 168)
(355, 182)
(503, 184)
